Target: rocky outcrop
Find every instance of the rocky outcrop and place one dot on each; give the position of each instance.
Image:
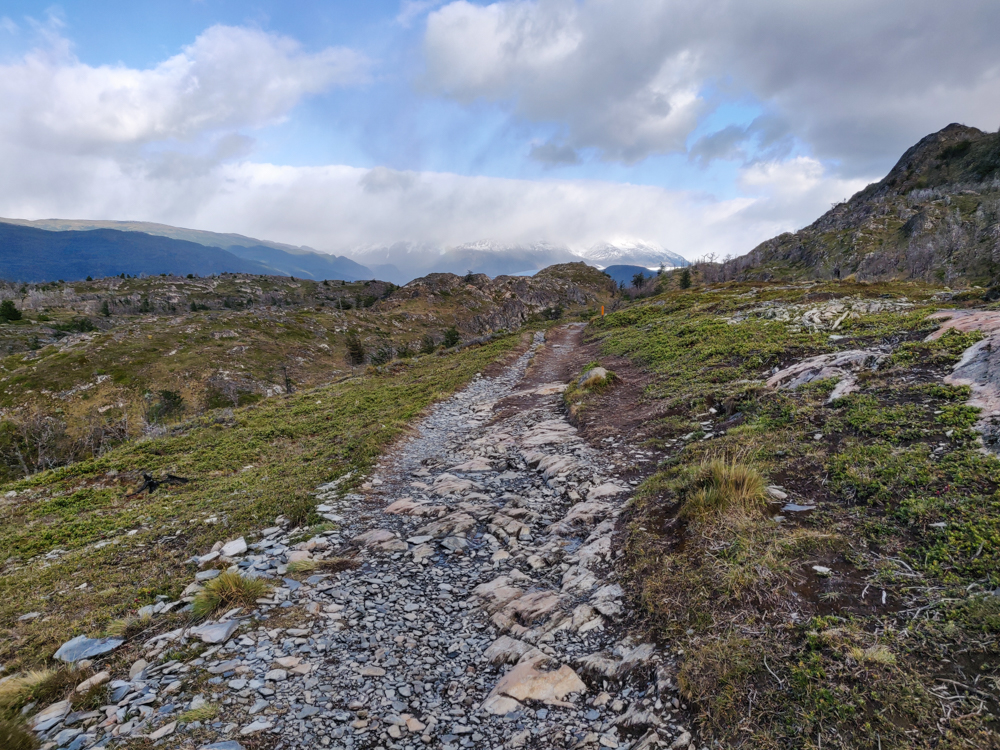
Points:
(506, 302)
(935, 216)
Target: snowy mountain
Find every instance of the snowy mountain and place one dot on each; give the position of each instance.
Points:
(402, 261)
(632, 253)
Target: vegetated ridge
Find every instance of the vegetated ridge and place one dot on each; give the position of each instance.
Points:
(935, 216)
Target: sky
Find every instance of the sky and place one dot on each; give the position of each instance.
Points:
(704, 127)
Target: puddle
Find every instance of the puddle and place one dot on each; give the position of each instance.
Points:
(842, 588)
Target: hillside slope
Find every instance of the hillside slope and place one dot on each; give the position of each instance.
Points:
(935, 217)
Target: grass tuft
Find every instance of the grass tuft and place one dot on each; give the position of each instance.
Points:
(723, 486)
(333, 565)
(41, 686)
(15, 735)
(128, 627)
(228, 590)
(205, 713)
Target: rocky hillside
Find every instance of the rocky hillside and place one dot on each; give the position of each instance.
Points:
(935, 217)
(91, 364)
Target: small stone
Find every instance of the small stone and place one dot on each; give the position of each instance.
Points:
(682, 741)
(98, 679)
(216, 632)
(136, 669)
(777, 493)
(822, 570)
(276, 675)
(163, 731)
(258, 726)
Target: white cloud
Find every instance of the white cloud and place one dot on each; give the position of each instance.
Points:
(229, 78)
(8, 25)
(856, 81)
(411, 10)
(336, 208)
(164, 144)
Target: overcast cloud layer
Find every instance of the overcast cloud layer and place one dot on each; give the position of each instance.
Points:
(853, 79)
(805, 103)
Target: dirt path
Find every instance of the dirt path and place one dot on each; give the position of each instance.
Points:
(484, 614)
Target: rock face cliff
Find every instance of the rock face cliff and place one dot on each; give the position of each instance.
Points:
(935, 216)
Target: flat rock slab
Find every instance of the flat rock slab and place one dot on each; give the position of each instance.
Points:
(83, 647)
(527, 681)
(964, 321)
(216, 632)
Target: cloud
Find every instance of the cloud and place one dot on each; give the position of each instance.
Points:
(552, 154)
(336, 208)
(228, 78)
(856, 82)
(6, 24)
(410, 10)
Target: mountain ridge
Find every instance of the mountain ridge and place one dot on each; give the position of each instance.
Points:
(259, 256)
(935, 216)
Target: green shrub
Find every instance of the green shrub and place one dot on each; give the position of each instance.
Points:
(169, 404)
(383, 355)
(355, 348)
(427, 345)
(451, 337)
(9, 311)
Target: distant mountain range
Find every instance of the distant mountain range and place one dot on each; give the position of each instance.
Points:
(73, 249)
(53, 249)
(403, 261)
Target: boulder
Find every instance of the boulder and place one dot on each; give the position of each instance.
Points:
(592, 377)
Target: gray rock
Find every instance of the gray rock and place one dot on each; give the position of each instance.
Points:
(215, 632)
(83, 647)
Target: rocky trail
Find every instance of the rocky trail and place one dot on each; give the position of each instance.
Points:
(481, 609)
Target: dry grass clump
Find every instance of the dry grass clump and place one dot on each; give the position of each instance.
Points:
(15, 735)
(129, 627)
(204, 713)
(333, 565)
(723, 486)
(228, 590)
(42, 686)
